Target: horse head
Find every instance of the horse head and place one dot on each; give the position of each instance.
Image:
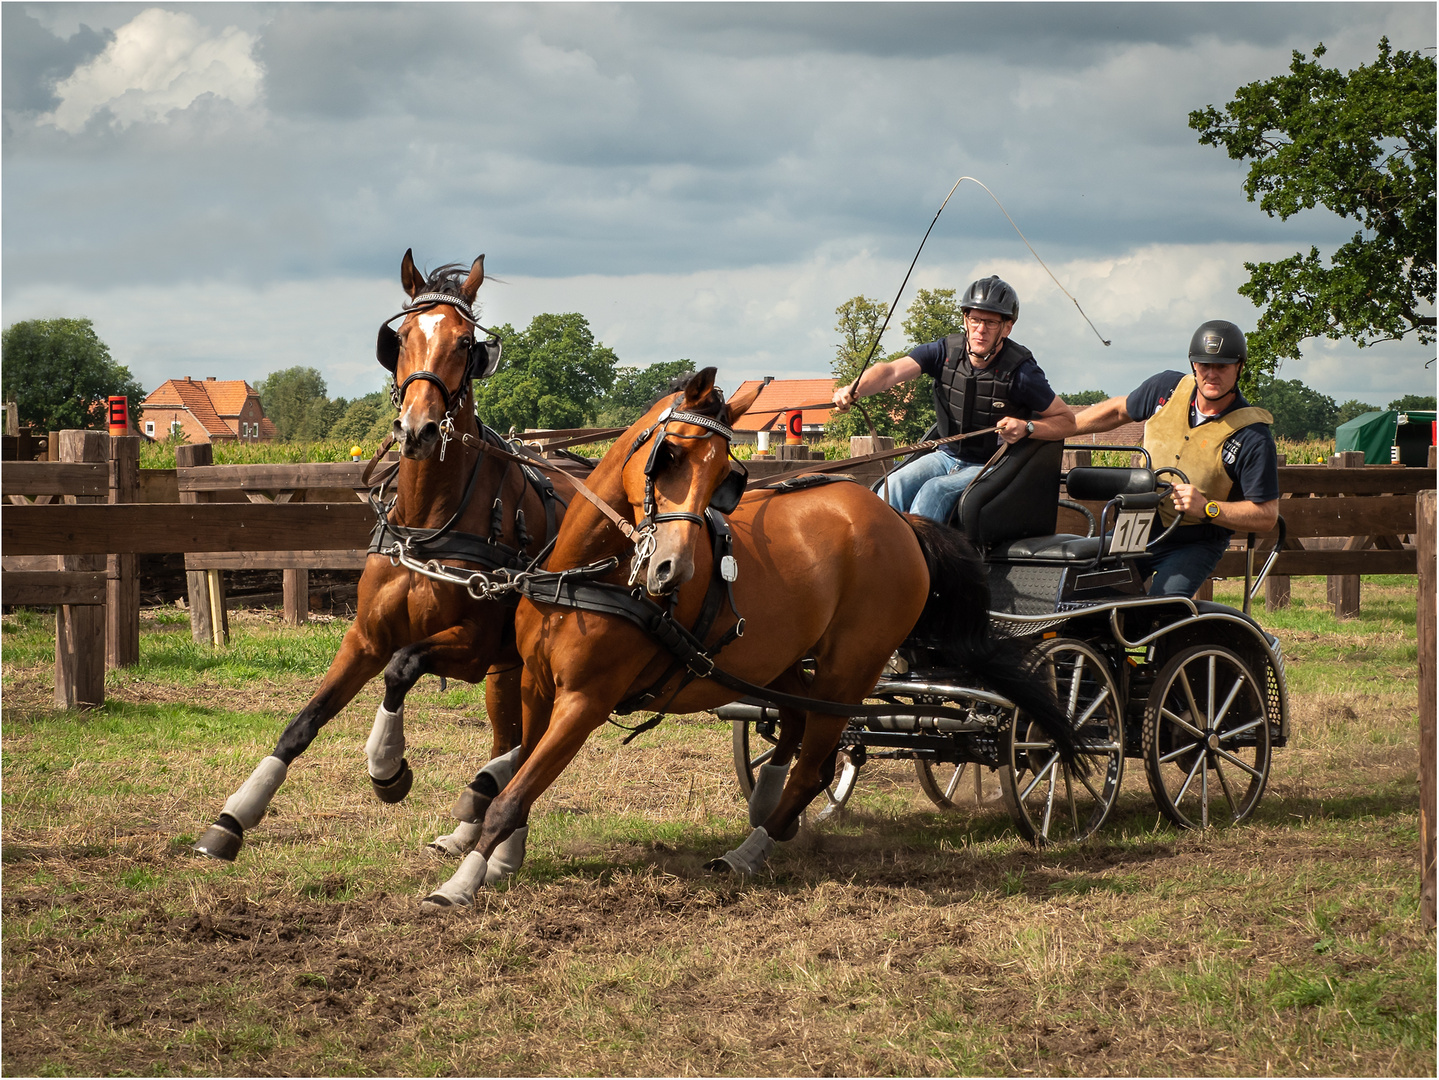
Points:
(677, 466)
(435, 354)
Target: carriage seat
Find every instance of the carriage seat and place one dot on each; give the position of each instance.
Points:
(1015, 499)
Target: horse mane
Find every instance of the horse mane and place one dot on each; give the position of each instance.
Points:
(448, 280)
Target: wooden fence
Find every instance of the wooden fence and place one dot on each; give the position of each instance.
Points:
(301, 517)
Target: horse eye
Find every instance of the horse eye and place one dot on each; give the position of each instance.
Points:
(664, 456)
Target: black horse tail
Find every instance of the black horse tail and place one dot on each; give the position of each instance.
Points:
(955, 621)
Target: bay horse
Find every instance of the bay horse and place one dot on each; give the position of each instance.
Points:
(454, 504)
(829, 580)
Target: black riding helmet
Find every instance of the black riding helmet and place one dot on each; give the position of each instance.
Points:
(991, 294)
(1218, 342)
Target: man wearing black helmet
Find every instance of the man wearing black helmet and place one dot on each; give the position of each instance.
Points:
(1201, 425)
(982, 382)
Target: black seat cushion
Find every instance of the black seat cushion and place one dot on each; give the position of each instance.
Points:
(1060, 549)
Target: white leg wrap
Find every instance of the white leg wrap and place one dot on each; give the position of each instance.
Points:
(460, 890)
(386, 746)
(749, 857)
(768, 785)
(247, 806)
(502, 768)
(507, 858)
(460, 841)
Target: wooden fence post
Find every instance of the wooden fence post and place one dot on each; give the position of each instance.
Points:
(209, 621)
(1425, 524)
(122, 584)
(80, 631)
(297, 596)
(1343, 589)
(12, 419)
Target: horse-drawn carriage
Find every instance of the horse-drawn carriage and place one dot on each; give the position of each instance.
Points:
(795, 596)
(1193, 689)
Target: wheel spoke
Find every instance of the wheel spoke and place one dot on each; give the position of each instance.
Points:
(1228, 793)
(1038, 776)
(1179, 722)
(1238, 763)
(1228, 701)
(1233, 733)
(1194, 709)
(950, 787)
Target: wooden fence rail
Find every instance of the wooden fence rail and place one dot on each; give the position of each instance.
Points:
(56, 517)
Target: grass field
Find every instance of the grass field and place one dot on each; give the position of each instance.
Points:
(896, 940)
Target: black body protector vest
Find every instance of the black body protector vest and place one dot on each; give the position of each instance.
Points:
(968, 399)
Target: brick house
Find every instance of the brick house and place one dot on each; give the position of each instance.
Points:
(776, 395)
(211, 410)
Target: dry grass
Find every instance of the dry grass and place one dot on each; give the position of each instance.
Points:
(897, 941)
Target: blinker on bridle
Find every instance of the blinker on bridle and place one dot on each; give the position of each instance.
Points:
(724, 500)
(481, 360)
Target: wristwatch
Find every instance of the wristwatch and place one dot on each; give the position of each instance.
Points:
(1029, 427)
(1211, 510)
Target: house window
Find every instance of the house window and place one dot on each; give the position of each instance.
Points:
(150, 428)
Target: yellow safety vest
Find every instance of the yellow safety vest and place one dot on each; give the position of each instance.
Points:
(1195, 451)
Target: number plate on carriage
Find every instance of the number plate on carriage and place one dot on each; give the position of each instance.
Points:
(1131, 532)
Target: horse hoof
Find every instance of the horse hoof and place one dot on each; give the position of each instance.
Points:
(221, 840)
(396, 787)
(470, 807)
(446, 846)
(438, 901)
(719, 866)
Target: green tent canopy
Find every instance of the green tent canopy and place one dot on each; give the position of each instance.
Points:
(1376, 433)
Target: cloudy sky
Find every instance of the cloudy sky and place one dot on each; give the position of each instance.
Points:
(227, 189)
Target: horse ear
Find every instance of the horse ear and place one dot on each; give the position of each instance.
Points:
(410, 278)
(738, 405)
(699, 385)
(473, 282)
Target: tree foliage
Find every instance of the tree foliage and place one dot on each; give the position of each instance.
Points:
(1422, 402)
(635, 388)
(1360, 144)
(902, 411)
(295, 401)
(1350, 409)
(59, 373)
(1081, 398)
(553, 375)
(1299, 411)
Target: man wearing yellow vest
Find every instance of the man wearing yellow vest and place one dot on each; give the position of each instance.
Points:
(1201, 425)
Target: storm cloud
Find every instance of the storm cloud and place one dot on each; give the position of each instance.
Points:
(229, 188)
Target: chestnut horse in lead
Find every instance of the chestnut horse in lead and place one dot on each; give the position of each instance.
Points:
(455, 504)
(829, 580)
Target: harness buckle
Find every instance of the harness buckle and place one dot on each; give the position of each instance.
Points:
(644, 548)
(729, 568)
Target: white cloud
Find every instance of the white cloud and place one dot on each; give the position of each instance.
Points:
(158, 62)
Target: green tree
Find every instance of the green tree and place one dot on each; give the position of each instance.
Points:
(635, 389)
(1084, 397)
(903, 411)
(553, 375)
(59, 373)
(1352, 408)
(933, 314)
(1299, 411)
(295, 401)
(361, 416)
(1360, 144)
(1413, 401)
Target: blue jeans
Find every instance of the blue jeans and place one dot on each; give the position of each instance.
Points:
(1178, 568)
(931, 485)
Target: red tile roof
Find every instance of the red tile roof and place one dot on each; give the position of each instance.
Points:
(208, 401)
(767, 412)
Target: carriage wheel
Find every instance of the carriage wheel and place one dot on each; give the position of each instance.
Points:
(746, 761)
(1049, 801)
(1206, 738)
(950, 786)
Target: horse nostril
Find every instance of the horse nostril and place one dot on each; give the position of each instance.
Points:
(429, 431)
